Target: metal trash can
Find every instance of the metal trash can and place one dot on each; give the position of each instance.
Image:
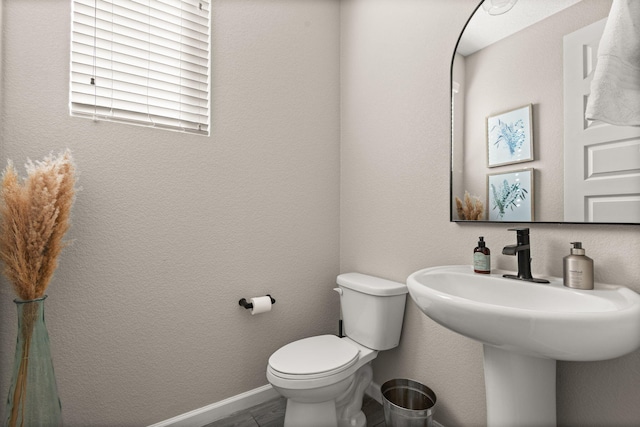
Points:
(407, 403)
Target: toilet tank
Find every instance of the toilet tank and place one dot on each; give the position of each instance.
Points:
(372, 309)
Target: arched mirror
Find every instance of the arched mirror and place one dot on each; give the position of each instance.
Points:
(521, 149)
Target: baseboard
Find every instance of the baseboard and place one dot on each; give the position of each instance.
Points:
(222, 409)
(374, 391)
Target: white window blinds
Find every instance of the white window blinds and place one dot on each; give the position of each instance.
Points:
(142, 61)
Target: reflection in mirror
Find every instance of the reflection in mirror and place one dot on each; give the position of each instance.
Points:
(535, 62)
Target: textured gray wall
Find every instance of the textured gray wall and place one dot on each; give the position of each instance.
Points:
(171, 230)
(395, 220)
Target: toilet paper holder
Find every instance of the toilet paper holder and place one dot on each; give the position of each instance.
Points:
(246, 304)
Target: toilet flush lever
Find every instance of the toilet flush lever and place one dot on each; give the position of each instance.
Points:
(338, 290)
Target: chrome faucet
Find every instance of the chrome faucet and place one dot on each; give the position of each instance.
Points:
(522, 249)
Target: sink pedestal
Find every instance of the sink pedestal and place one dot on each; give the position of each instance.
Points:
(521, 390)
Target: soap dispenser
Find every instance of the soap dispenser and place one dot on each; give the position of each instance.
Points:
(482, 258)
(578, 268)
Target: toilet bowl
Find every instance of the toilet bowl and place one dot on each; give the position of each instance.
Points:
(321, 388)
(324, 377)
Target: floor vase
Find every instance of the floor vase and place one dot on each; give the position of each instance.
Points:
(33, 394)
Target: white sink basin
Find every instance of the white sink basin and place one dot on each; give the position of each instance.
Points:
(525, 327)
(541, 320)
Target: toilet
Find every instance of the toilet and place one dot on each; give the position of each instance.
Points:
(325, 377)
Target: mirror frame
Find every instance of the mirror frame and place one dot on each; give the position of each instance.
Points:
(485, 221)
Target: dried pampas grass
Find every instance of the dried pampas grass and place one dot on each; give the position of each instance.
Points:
(34, 218)
(471, 210)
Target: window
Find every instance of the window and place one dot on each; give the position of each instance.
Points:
(142, 61)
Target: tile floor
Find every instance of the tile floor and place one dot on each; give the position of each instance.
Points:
(271, 414)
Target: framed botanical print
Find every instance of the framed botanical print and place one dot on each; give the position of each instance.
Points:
(510, 137)
(510, 196)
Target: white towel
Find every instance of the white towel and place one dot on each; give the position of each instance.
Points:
(615, 88)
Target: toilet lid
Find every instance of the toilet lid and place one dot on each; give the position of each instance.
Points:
(313, 356)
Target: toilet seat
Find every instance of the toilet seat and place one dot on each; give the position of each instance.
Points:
(315, 357)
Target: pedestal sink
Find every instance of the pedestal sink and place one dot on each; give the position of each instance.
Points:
(525, 327)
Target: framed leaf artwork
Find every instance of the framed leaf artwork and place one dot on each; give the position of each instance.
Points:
(510, 137)
(510, 196)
